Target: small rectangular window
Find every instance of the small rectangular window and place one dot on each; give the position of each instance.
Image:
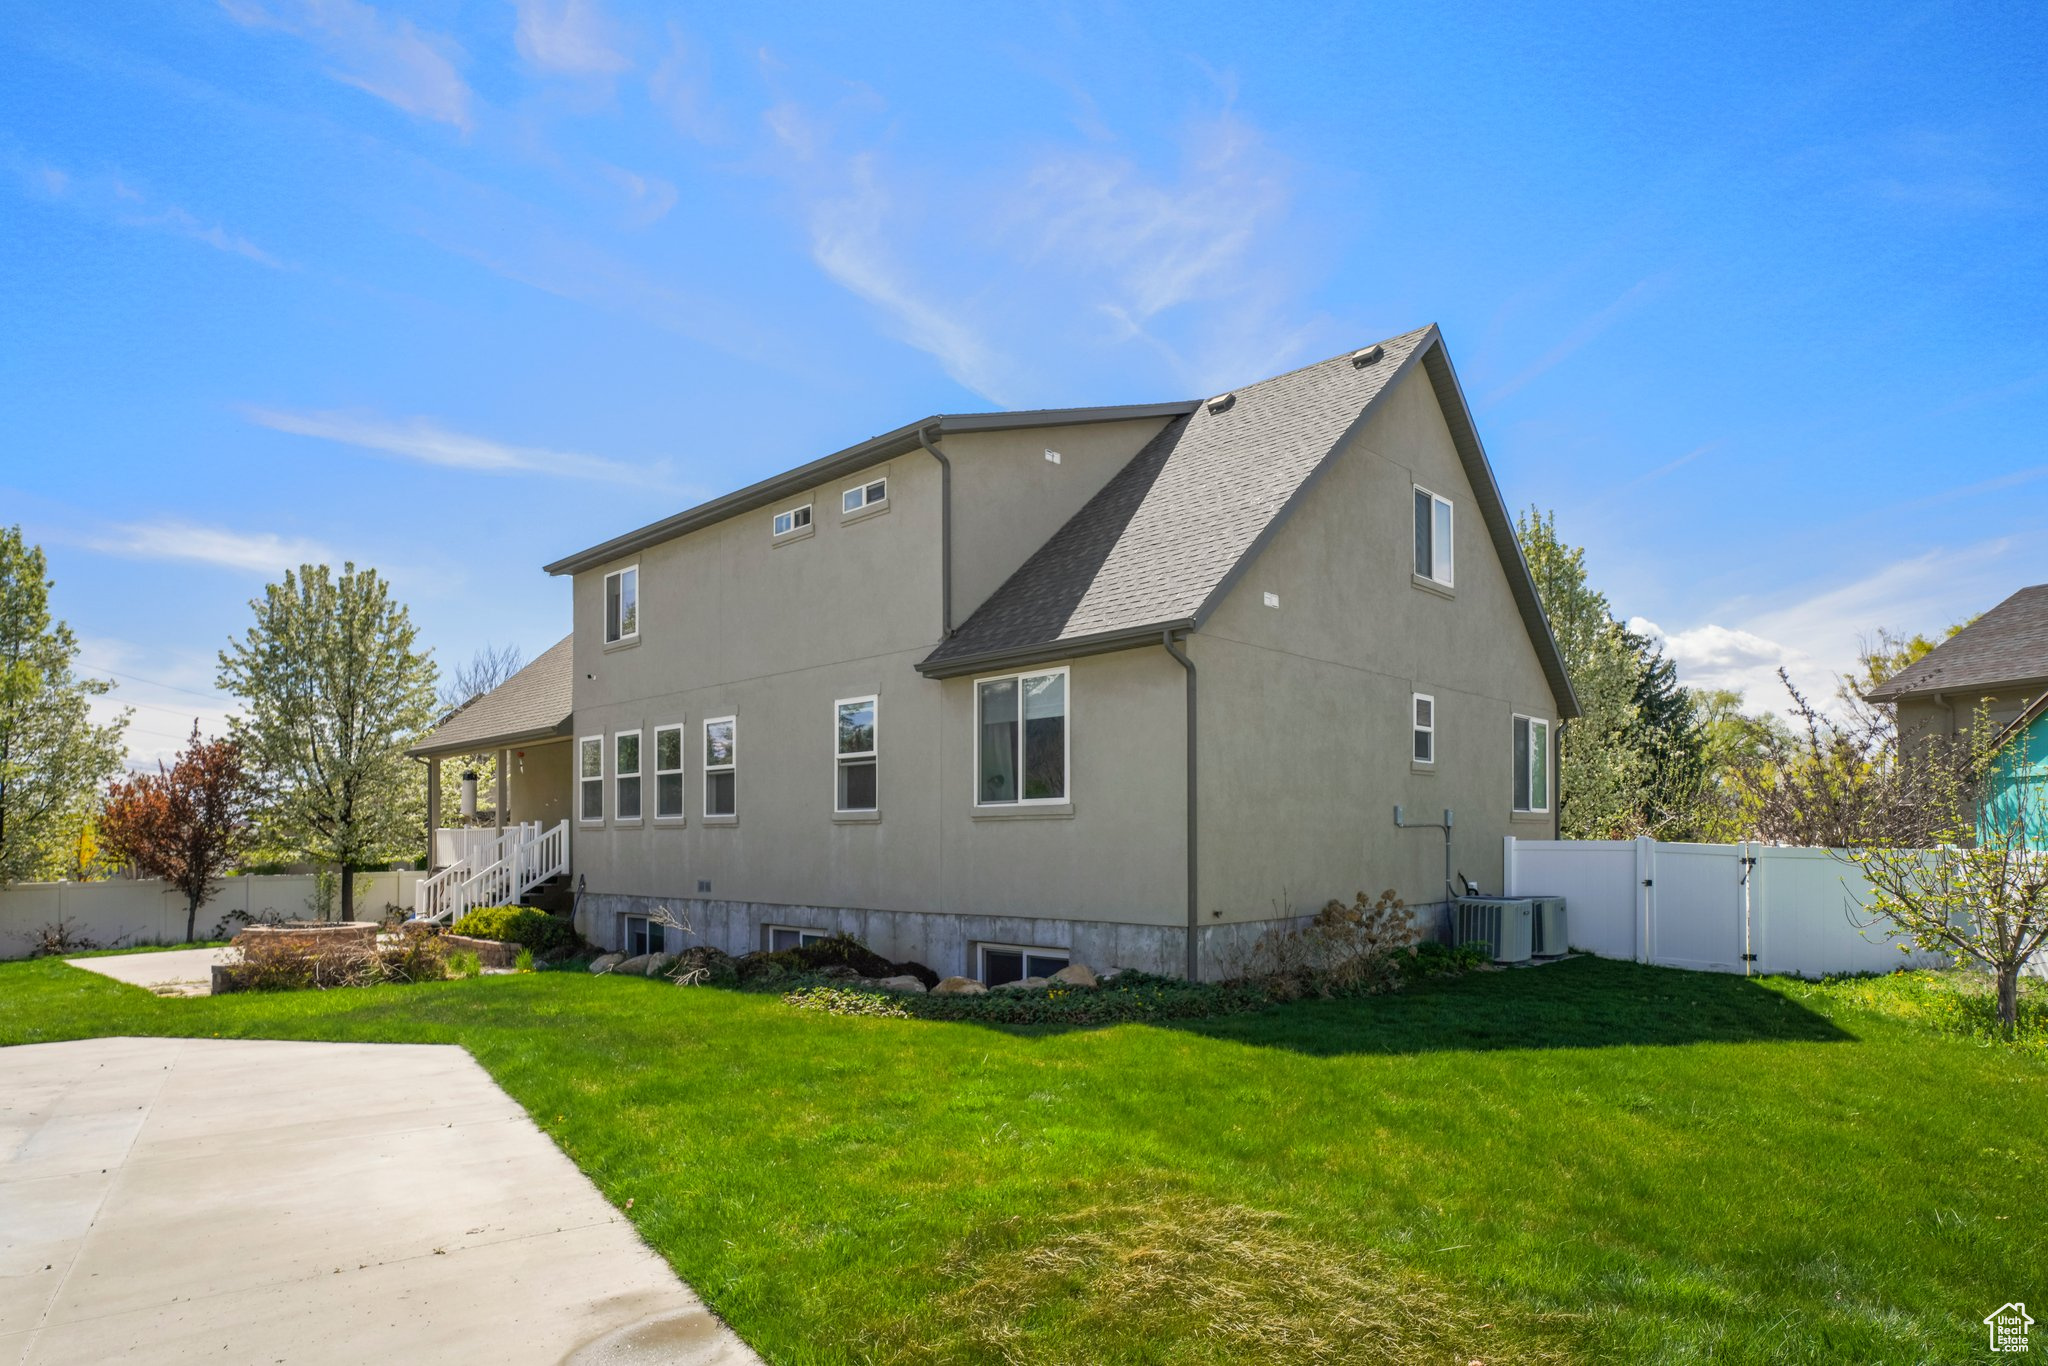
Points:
(621, 605)
(626, 769)
(1532, 764)
(782, 937)
(867, 495)
(1432, 537)
(792, 520)
(1021, 736)
(643, 935)
(1425, 728)
(721, 767)
(854, 750)
(590, 777)
(668, 773)
(1002, 963)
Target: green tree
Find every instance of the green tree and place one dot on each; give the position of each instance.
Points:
(53, 756)
(333, 691)
(1633, 763)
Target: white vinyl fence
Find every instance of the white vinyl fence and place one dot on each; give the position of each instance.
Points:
(122, 912)
(1718, 907)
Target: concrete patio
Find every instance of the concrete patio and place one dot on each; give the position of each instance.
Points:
(172, 1200)
(177, 972)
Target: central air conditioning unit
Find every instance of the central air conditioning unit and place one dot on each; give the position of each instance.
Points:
(1505, 924)
(1546, 916)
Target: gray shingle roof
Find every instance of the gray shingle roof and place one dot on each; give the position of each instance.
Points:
(1162, 543)
(2008, 644)
(532, 704)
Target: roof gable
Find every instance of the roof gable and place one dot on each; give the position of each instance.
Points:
(1163, 543)
(2008, 644)
(532, 704)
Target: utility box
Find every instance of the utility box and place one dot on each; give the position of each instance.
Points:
(1546, 923)
(1505, 924)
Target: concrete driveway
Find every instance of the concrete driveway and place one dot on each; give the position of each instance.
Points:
(172, 1200)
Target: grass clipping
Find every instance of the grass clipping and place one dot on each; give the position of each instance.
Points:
(1181, 1280)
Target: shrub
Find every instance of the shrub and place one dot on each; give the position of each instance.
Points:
(1432, 959)
(524, 962)
(318, 961)
(527, 926)
(1344, 950)
(463, 963)
(841, 951)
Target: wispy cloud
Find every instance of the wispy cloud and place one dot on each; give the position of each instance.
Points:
(376, 53)
(429, 443)
(1634, 297)
(572, 37)
(113, 200)
(194, 543)
(648, 198)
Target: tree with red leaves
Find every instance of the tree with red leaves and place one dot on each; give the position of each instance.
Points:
(184, 824)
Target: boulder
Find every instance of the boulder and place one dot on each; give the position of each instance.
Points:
(1023, 984)
(659, 963)
(839, 972)
(903, 983)
(634, 967)
(607, 962)
(703, 965)
(1076, 975)
(959, 986)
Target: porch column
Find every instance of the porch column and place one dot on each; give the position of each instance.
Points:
(504, 759)
(433, 812)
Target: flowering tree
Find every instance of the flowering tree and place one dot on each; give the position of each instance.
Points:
(185, 823)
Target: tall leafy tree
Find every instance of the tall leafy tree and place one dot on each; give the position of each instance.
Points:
(333, 690)
(53, 755)
(185, 823)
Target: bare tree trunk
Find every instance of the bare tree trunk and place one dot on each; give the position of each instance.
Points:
(2009, 997)
(348, 892)
(191, 918)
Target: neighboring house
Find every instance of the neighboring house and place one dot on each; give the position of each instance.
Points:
(1996, 666)
(1124, 685)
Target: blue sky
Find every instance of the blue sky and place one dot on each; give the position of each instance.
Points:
(1753, 298)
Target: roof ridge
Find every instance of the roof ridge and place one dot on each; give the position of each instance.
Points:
(1341, 355)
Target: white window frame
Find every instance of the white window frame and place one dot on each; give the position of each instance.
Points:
(620, 574)
(1417, 727)
(1442, 558)
(1030, 951)
(619, 775)
(805, 936)
(1515, 797)
(682, 764)
(582, 779)
(656, 932)
(780, 532)
(710, 768)
(861, 491)
(1066, 740)
(871, 755)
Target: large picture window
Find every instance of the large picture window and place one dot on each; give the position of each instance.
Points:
(668, 773)
(1432, 536)
(1532, 764)
(590, 778)
(853, 740)
(622, 605)
(626, 768)
(721, 767)
(1021, 739)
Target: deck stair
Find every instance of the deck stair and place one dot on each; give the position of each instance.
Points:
(520, 861)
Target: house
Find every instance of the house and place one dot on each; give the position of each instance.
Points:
(1996, 667)
(1122, 685)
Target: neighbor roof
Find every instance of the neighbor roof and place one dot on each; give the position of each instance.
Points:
(533, 704)
(1164, 541)
(839, 464)
(2008, 644)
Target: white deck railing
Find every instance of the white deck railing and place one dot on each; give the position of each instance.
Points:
(495, 872)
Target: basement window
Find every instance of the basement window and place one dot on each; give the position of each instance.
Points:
(1021, 739)
(1432, 536)
(1002, 963)
(590, 779)
(1425, 728)
(1532, 764)
(792, 520)
(853, 742)
(721, 766)
(782, 937)
(643, 935)
(622, 605)
(868, 495)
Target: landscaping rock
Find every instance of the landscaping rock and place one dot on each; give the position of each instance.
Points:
(634, 967)
(1108, 975)
(560, 953)
(839, 972)
(1076, 975)
(959, 986)
(903, 983)
(659, 963)
(607, 962)
(1023, 984)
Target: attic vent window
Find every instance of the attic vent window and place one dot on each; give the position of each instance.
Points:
(1367, 355)
(1220, 402)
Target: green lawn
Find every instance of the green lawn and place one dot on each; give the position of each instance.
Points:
(1593, 1161)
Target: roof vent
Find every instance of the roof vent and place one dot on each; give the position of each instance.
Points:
(1367, 355)
(1220, 402)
